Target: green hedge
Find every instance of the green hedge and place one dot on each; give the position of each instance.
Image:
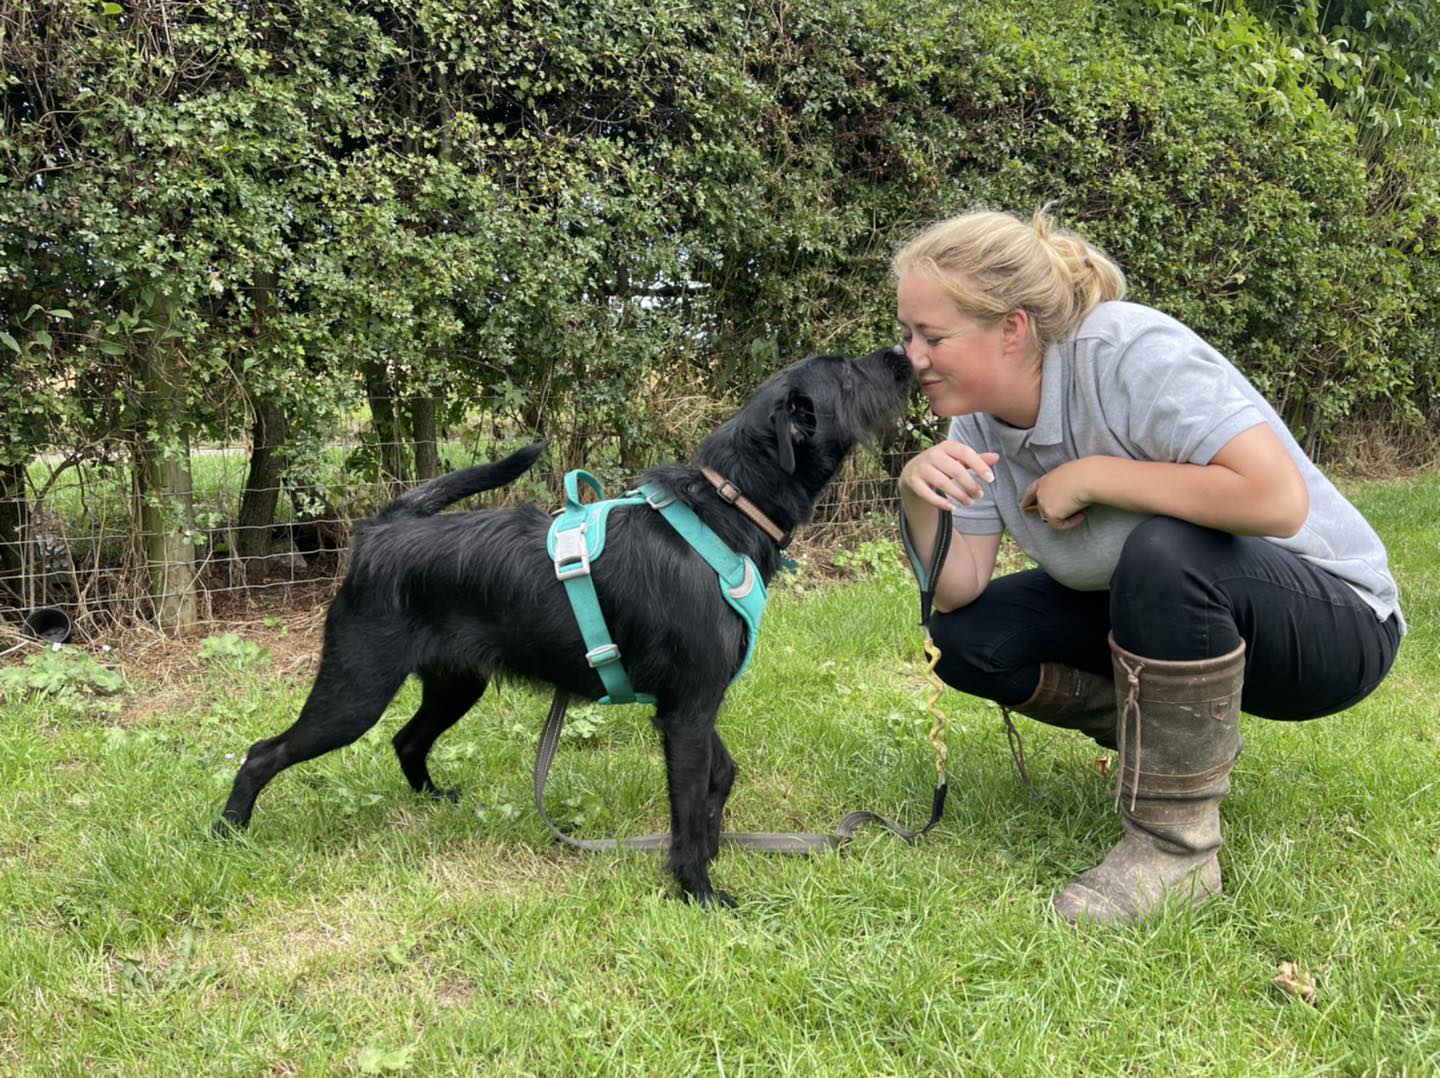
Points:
(550, 211)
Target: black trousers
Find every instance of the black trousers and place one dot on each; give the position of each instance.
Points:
(1312, 646)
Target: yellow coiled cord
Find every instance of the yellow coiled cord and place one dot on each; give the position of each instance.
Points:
(942, 751)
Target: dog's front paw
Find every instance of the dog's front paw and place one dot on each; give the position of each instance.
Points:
(711, 899)
(225, 827)
(444, 793)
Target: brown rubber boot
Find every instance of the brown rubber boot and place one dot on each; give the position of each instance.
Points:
(1074, 700)
(1179, 734)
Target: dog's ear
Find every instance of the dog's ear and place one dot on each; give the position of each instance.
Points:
(785, 447)
(794, 421)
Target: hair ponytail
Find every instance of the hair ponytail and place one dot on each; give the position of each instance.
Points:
(1089, 274)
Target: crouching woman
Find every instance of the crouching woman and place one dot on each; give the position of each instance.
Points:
(1192, 561)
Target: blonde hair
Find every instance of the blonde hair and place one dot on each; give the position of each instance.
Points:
(992, 263)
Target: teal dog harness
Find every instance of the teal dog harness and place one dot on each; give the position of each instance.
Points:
(577, 539)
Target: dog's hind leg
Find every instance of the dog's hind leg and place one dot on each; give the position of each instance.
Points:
(689, 745)
(342, 705)
(722, 778)
(445, 700)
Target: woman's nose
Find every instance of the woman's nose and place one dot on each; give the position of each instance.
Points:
(916, 353)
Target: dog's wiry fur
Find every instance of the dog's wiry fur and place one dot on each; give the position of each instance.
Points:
(462, 598)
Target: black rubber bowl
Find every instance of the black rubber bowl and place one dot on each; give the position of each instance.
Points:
(48, 624)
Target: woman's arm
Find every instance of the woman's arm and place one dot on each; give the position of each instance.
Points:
(949, 469)
(1250, 487)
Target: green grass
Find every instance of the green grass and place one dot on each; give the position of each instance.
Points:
(358, 928)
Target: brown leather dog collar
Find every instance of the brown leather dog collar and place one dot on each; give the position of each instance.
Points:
(731, 493)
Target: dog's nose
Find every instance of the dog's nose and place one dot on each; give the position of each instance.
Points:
(898, 362)
(905, 363)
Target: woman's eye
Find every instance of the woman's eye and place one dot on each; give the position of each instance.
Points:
(933, 341)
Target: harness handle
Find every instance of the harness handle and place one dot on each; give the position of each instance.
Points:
(574, 478)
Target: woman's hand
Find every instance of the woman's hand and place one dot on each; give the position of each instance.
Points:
(1059, 496)
(947, 470)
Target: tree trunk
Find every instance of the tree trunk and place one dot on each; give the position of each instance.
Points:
(382, 414)
(167, 508)
(422, 427)
(14, 518)
(268, 437)
(262, 486)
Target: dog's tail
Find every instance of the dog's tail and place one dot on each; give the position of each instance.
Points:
(429, 498)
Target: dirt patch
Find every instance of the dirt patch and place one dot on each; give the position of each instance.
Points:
(490, 871)
(302, 942)
(455, 992)
(10, 1060)
(168, 674)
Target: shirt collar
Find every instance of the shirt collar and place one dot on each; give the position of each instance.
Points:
(1049, 426)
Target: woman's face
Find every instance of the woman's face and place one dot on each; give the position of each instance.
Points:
(964, 364)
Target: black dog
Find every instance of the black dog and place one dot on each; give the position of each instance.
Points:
(461, 598)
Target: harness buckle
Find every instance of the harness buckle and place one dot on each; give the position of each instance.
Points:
(606, 653)
(657, 501)
(572, 558)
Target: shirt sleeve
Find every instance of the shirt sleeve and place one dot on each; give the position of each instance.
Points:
(1175, 398)
(982, 518)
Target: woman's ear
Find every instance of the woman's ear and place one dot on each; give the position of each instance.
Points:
(1015, 330)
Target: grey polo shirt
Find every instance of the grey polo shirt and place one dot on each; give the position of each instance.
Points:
(1133, 382)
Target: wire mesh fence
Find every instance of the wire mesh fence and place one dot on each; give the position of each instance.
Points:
(85, 546)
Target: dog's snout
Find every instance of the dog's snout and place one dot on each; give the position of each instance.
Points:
(898, 363)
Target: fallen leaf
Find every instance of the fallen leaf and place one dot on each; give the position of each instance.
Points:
(1103, 764)
(1295, 981)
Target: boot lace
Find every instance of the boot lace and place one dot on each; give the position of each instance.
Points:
(1129, 708)
(1017, 749)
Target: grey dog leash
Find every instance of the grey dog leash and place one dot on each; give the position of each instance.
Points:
(790, 842)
